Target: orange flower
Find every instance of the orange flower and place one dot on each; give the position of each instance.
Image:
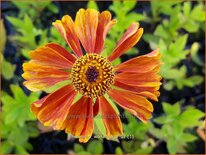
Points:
(130, 83)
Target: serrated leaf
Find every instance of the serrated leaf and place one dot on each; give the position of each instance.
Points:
(179, 44)
(171, 110)
(190, 117)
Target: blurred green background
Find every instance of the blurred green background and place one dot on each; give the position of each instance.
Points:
(176, 27)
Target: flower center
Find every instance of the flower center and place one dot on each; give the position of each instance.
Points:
(92, 75)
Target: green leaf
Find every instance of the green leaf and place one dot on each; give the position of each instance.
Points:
(53, 8)
(20, 150)
(188, 137)
(190, 117)
(100, 125)
(18, 94)
(78, 148)
(163, 120)
(161, 32)
(193, 81)
(157, 133)
(6, 147)
(95, 147)
(187, 8)
(172, 110)
(92, 5)
(173, 73)
(3, 36)
(146, 150)
(118, 150)
(198, 13)
(14, 21)
(116, 61)
(169, 85)
(12, 115)
(129, 5)
(172, 145)
(7, 69)
(179, 44)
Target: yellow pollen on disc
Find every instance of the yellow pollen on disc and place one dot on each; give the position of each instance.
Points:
(92, 75)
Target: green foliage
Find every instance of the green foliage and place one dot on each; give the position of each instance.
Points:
(26, 34)
(176, 125)
(7, 69)
(172, 43)
(140, 142)
(17, 121)
(94, 147)
(33, 8)
(3, 36)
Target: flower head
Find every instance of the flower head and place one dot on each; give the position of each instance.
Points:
(130, 84)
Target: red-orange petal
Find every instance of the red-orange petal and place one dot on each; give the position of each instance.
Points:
(104, 25)
(110, 118)
(52, 109)
(66, 28)
(79, 120)
(128, 40)
(135, 104)
(39, 77)
(139, 81)
(86, 23)
(150, 92)
(141, 64)
(50, 56)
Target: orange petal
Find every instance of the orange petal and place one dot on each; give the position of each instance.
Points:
(79, 120)
(52, 110)
(110, 118)
(135, 104)
(62, 51)
(49, 56)
(152, 91)
(40, 77)
(129, 39)
(104, 25)
(132, 77)
(148, 79)
(141, 64)
(66, 28)
(86, 23)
